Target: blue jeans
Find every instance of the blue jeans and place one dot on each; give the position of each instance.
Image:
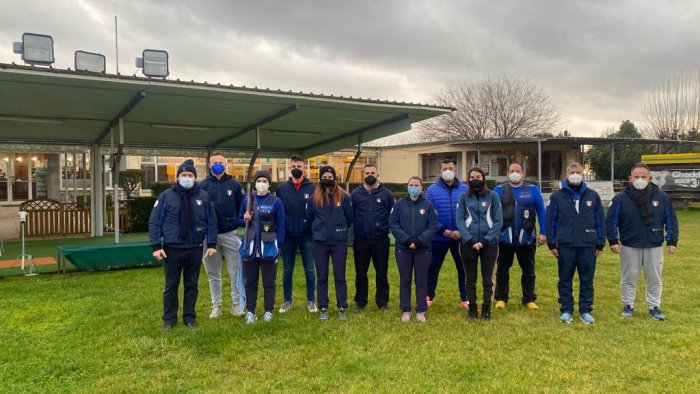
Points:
(440, 250)
(289, 250)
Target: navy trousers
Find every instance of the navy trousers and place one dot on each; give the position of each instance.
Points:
(376, 250)
(439, 250)
(181, 263)
(252, 276)
(338, 253)
(571, 260)
(412, 262)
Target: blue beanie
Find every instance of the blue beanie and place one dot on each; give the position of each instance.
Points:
(187, 166)
(262, 174)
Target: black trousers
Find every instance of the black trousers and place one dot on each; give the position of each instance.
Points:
(252, 269)
(526, 260)
(338, 253)
(181, 263)
(410, 262)
(376, 250)
(488, 256)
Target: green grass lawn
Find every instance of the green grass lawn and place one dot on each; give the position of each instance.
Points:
(101, 332)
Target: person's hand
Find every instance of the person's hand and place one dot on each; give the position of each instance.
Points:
(247, 215)
(456, 235)
(671, 249)
(412, 246)
(159, 254)
(477, 246)
(447, 234)
(209, 252)
(555, 252)
(598, 252)
(541, 239)
(615, 248)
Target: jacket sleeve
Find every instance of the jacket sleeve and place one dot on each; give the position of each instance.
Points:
(612, 218)
(279, 219)
(430, 197)
(395, 225)
(309, 214)
(497, 217)
(155, 223)
(241, 212)
(599, 224)
(240, 195)
(347, 208)
(462, 217)
(552, 217)
(539, 207)
(671, 223)
(391, 199)
(212, 228)
(427, 236)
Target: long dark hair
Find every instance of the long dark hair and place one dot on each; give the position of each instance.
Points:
(484, 189)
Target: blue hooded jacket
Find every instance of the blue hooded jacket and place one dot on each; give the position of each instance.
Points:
(227, 196)
(445, 200)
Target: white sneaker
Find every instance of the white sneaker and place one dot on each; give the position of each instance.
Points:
(237, 311)
(250, 318)
(215, 313)
(267, 316)
(311, 306)
(286, 307)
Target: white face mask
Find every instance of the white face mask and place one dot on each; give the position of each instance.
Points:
(186, 182)
(262, 187)
(448, 175)
(640, 183)
(575, 179)
(515, 177)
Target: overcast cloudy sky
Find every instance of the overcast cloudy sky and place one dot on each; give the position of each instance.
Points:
(596, 59)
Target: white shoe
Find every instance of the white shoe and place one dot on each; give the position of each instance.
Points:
(311, 306)
(267, 316)
(250, 318)
(237, 311)
(286, 307)
(215, 313)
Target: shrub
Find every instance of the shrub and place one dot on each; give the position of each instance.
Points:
(140, 212)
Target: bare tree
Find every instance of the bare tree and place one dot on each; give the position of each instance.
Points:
(496, 107)
(672, 110)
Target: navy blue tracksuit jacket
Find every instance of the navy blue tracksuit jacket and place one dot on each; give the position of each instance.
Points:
(295, 204)
(227, 195)
(575, 218)
(414, 220)
(371, 211)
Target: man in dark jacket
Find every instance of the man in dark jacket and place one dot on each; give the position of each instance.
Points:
(635, 229)
(227, 195)
(294, 194)
(371, 203)
(182, 220)
(444, 194)
(575, 236)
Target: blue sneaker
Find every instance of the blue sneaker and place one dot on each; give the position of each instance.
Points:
(250, 318)
(656, 314)
(566, 318)
(627, 311)
(587, 318)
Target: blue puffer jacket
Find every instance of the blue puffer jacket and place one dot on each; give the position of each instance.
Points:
(574, 227)
(227, 195)
(624, 221)
(164, 223)
(294, 204)
(479, 218)
(330, 225)
(413, 220)
(371, 211)
(445, 200)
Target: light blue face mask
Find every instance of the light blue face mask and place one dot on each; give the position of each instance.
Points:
(414, 191)
(185, 182)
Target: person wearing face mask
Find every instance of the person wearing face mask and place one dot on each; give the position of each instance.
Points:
(227, 196)
(413, 222)
(522, 204)
(635, 225)
(294, 194)
(479, 220)
(181, 222)
(575, 236)
(444, 194)
(264, 215)
(371, 203)
(329, 216)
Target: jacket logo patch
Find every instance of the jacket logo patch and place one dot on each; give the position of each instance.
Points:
(421, 211)
(653, 203)
(199, 202)
(230, 192)
(484, 204)
(526, 214)
(338, 204)
(306, 196)
(379, 200)
(589, 203)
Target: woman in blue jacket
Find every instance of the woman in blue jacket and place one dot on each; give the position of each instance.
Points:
(413, 222)
(330, 214)
(479, 219)
(262, 215)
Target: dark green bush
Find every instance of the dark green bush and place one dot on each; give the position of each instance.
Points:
(140, 212)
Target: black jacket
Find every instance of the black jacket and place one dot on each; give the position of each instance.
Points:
(227, 196)
(413, 221)
(371, 210)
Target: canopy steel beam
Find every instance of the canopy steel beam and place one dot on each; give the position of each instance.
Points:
(254, 126)
(352, 163)
(114, 122)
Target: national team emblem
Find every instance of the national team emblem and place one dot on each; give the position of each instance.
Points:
(526, 214)
(421, 211)
(589, 203)
(266, 227)
(306, 196)
(653, 203)
(484, 204)
(338, 204)
(230, 192)
(199, 202)
(379, 200)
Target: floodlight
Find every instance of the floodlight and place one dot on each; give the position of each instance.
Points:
(35, 49)
(154, 63)
(88, 61)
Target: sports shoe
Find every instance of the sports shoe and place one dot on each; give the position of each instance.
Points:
(237, 311)
(358, 309)
(566, 318)
(384, 308)
(486, 312)
(627, 311)
(656, 314)
(429, 301)
(473, 312)
(532, 306)
(587, 318)
(420, 316)
(406, 317)
(342, 314)
(192, 325)
(286, 307)
(250, 318)
(500, 305)
(168, 326)
(324, 314)
(215, 313)
(464, 304)
(311, 307)
(267, 316)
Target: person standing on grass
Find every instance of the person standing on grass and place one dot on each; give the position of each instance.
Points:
(294, 195)
(329, 215)
(635, 225)
(181, 222)
(479, 220)
(413, 223)
(262, 215)
(227, 196)
(521, 204)
(371, 203)
(444, 194)
(575, 236)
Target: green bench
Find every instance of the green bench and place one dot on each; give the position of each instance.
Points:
(100, 257)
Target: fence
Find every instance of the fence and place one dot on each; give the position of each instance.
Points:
(47, 218)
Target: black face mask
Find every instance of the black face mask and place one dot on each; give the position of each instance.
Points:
(297, 173)
(370, 180)
(327, 182)
(476, 184)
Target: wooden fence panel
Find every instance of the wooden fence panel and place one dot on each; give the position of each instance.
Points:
(43, 217)
(47, 218)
